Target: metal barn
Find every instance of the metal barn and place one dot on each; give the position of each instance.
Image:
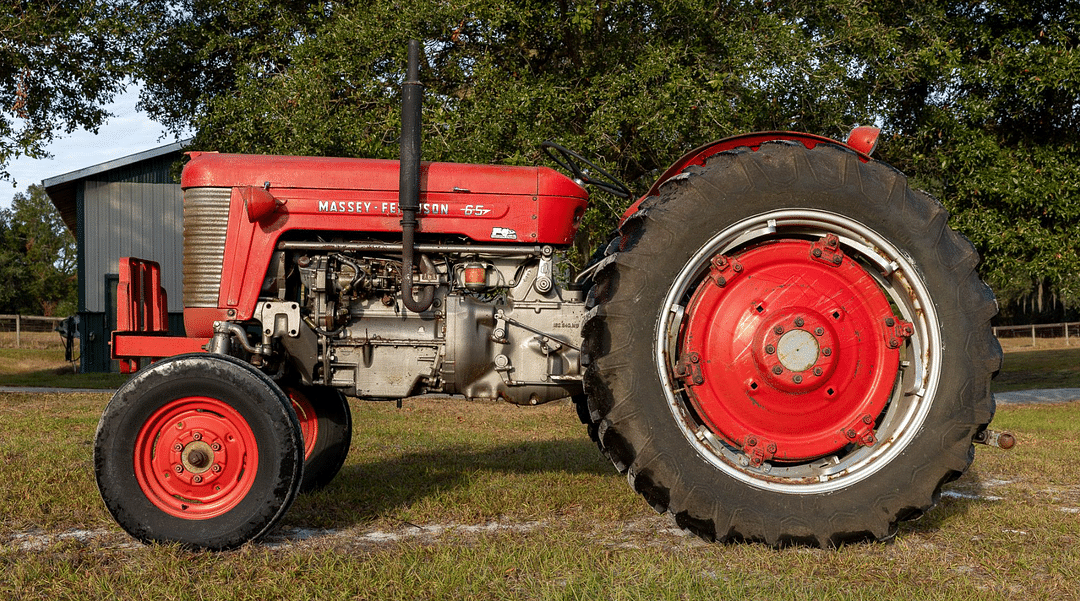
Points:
(131, 206)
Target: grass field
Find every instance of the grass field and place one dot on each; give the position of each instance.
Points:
(446, 499)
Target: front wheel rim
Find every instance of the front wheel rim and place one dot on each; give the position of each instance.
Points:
(820, 425)
(196, 458)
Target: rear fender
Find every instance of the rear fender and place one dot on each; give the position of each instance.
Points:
(861, 140)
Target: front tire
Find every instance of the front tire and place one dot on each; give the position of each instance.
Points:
(820, 345)
(326, 426)
(201, 450)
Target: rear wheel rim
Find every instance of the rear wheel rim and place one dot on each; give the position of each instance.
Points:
(196, 458)
(744, 361)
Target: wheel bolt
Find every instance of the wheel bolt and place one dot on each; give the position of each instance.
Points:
(894, 343)
(215, 468)
(867, 419)
(216, 446)
(196, 436)
(779, 329)
(836, 260)
(826, 351)
(850, 433)
(771, 448)
(797, 379)
(778, 370)
(799, 322)
(890, 322)
(178, 447)
(751, 442)
(178, 469)
(818, 371)
(770, 349)
(819, 331)
(694, 358)
(197, 479)
(817, 252)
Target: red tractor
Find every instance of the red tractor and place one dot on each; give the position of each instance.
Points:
(783, 342)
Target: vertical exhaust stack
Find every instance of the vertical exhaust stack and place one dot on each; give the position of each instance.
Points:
(412, 98)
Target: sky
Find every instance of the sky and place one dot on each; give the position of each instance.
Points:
(128, 133)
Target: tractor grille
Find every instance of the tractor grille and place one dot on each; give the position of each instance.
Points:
(206, 219)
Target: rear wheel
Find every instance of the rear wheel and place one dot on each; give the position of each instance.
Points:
(326, 426)
(821, 345)
(201, 450)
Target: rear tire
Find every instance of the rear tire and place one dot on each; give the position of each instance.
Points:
(820, 344)
(201, 450)
(326, 426)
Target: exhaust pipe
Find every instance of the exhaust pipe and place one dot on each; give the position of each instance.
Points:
(412, 97)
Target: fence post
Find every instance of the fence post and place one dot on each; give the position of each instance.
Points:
(1032, 335)
(18, 331)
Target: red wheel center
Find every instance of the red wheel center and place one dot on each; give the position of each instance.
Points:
(790, 350)
(195, 458)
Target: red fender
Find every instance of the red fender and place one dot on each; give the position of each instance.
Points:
(861, 140)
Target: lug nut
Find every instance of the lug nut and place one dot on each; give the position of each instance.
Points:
(799, 322)
(178, 447)
(866, 419)
(215, 468)
(819, 331)
(196, 436)
(779, 329)
(890, 322)
(216, 446)
(178, 469)
(769, 349)
(797, 379)
(751, 442)
(818, 371)
(197, 479)
(778, 370)
(826, 351)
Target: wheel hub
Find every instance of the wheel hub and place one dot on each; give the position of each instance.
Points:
(195, 458)
(796, 347)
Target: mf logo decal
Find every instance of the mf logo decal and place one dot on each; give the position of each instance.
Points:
(503, 233)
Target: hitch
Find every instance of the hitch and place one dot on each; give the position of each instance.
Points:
(991, 438)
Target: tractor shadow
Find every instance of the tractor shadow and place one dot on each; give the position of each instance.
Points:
(372, 490)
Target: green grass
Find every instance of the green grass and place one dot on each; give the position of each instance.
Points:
(1036, 369)
(47, 367)
(568, 527)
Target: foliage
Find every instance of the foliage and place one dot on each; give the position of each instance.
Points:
(37, 258)
(61, 62)
(988, 118)
(979, 101)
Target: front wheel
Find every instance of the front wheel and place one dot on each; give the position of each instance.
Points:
(820, 345)
(326, 426)
(201, 450)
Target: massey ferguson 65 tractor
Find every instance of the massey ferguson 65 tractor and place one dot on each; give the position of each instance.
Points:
(783, 342)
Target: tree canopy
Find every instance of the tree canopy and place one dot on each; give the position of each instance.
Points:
(37, 258)
(979, 101)
(61, 63)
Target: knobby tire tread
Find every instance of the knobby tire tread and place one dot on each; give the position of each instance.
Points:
(624, 403)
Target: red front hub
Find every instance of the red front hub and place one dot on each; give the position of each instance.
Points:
(790, 350)
(196, 458)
